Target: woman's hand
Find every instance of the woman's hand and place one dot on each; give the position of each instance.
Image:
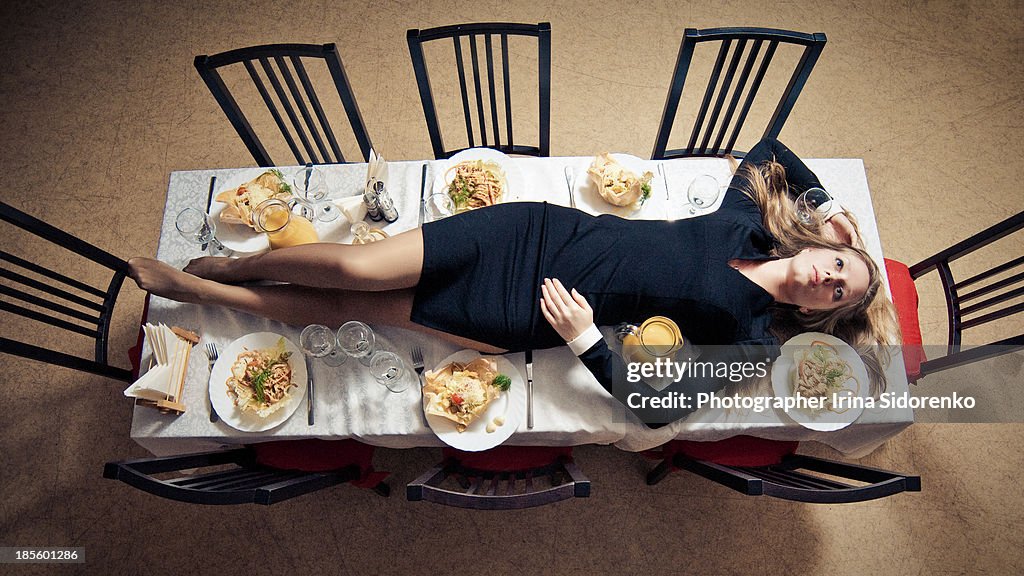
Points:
(840, 229)
(568, 313)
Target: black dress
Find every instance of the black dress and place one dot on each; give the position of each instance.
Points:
(483, 269)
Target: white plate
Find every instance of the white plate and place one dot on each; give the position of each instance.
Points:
(589, 199)
(509, 404)
(513, 179)
(249, 421)
(783, 380)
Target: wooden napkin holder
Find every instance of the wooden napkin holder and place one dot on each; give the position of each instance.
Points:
(173, 403)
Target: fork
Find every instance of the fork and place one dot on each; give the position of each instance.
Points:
(211, 353)
(417, 365)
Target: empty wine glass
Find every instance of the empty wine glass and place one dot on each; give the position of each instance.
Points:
(310, 185)
(199, 228)
(319, 341)
(703, 192)
(357, 340)
(813, 203)
(388, 369)
(437, 206)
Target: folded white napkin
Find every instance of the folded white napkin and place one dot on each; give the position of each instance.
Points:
(352, 207)
(170, 355)
(376, 170)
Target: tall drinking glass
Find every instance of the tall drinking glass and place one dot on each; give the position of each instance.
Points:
(357, 340)
(319, 341)
(703, 192)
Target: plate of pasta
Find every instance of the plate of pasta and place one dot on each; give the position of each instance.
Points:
(477, 178)
(618, 184)
(826, 375)
(258, 381)
(474, 402)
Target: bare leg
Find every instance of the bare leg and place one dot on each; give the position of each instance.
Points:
(296, 305)
(388, 264)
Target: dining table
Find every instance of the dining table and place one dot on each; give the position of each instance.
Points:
(569, 406)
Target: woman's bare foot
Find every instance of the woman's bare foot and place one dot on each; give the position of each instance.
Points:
(223, 270)
(161, 279)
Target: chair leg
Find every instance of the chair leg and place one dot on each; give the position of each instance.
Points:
(659, 472)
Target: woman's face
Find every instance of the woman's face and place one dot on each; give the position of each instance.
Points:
(822, 279)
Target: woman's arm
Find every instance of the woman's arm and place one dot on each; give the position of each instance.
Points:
(571, 317)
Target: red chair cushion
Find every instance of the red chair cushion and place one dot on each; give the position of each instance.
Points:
(904, 296)
(315, 455)
(735, 451)
(509, 458)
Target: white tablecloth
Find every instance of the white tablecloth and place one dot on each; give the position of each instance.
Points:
(570, 406)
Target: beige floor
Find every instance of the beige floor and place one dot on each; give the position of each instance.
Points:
(100, 103)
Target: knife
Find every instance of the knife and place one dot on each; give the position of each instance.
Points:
(209, 202)
(423, 192)
(309, 391)
(529, 389)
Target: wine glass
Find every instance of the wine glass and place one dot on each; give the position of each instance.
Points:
(437, 206)
(319, 341)
(811, 204)
(703, 192)
(309, 184)
(199, 228)
(357, 340)
(388, 369)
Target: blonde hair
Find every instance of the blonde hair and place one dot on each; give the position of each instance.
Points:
(869, 323)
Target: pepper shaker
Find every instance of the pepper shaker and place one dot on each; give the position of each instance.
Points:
(371, 200)
(385, 203)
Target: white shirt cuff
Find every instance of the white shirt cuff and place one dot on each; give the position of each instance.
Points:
(585, 340)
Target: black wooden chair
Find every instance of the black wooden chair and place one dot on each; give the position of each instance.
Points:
(453, 483)
(490, 33)
(230, 477)
(306, 130)
(979, 299)
(797, 477)
(42, 294)
(721, 115)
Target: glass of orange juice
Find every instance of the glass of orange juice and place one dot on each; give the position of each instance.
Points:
(283, 228)
(658, 337)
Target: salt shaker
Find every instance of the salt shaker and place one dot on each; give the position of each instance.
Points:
(385, 203)
(371, 200)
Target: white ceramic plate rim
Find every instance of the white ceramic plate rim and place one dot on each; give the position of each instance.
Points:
(510, 404)
(513, 179)
(782, 382)
(249, 421)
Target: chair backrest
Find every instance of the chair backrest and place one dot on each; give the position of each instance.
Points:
(987, 300)
(43, 294)
(500, 490)
(307, 130)
(231, 477)
(790, 479)
(487, 125)
(721, 115)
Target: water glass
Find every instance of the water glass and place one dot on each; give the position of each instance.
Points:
(199, 228)
(437, 206)
(357, 340)
(319, 341)
(388, 369)
(703, 192)
(811, 204)
(310, 185)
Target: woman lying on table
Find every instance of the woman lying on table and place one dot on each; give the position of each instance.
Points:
(480, 279)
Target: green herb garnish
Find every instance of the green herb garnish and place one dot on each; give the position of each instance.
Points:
(645, 192)
(282, 186)
(502, 382)
(257, 384)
